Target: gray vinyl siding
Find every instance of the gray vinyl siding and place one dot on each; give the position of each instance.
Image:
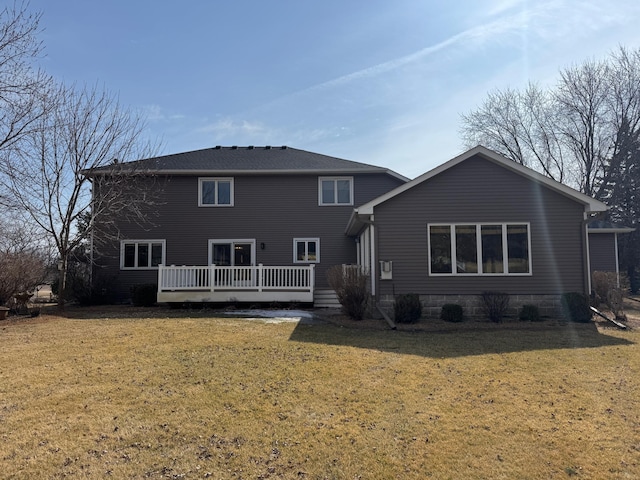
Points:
(477, 191)
(272, 209)
(602, 253)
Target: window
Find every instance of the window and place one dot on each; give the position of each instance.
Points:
(306, 250)
(335, 190)
(141, 253)
(215, 192)
(487, 249)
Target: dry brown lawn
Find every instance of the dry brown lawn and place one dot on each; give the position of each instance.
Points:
(155, 393)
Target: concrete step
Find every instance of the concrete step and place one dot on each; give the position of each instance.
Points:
(325, 298)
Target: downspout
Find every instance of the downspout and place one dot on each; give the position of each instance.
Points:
(615, 239)
(585, 222)
(585, 246)
(91, 229)
(374, 284)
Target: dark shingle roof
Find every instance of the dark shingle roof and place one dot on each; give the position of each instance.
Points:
(239, 160)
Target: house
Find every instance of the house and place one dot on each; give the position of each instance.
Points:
(476, 223)
(253, 224)
(257, 224)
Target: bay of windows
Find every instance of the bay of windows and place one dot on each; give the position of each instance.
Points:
(473, 249)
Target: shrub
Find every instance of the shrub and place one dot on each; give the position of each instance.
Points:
(20, 271)
(606, 290)
(407, 308)
(601, 284)
(144, 295)
(495, 305)
(351, 286)
(575, 307)
(529, 313)
(452, 312)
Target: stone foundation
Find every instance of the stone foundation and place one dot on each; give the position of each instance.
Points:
(548, 305)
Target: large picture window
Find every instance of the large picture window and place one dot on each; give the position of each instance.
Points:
(335, 190)
(479, 249)
(141, 254)
(215, 192)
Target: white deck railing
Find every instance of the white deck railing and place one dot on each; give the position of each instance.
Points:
(215, 278)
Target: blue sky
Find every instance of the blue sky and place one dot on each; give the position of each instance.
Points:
(374, 81)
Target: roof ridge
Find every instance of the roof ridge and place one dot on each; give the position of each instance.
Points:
(246, 160)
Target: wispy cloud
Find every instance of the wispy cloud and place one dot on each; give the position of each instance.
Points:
(155, 113)
(543, 20)
(475, 36)
(228, 128)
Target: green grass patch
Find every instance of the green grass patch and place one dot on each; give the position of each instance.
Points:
(225, 398)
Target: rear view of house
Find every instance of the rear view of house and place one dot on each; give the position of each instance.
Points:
(260, 224)
(239, 224)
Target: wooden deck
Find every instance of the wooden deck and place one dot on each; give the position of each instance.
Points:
(259, 283)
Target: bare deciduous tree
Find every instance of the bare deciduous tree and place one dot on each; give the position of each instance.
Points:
(49, 177)
(22, 86)
(24, 259)
(519, 125)
(571, 132)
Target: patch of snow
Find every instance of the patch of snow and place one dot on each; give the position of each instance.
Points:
(272, 316)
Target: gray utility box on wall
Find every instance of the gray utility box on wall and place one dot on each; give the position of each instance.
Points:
(386, 270)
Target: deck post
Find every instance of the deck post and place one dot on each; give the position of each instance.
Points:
(160, 277)
(212, 278)
(259, 279)
(312, 277)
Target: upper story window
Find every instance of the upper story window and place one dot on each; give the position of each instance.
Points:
(142, 253)
(335, 190)
(215, 192)
(479, 249)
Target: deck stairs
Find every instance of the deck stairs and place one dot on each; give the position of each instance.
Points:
(325, 298)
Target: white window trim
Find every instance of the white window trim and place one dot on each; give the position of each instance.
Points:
(306, 240)
(335, 202)
(505, 249)
(142, 241)
(232, 241)
(216, 180)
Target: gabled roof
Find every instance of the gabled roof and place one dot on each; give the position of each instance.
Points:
(244, 160)
(591, 204)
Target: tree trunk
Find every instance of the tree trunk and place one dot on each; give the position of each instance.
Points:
(62, 284)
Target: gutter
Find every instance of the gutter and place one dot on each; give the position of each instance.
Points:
(585, 245)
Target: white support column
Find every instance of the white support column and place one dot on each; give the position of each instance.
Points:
(372, 268)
